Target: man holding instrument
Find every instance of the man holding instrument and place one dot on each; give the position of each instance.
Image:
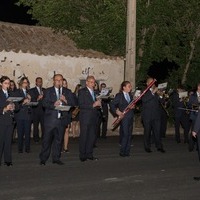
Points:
(55, 120)
(89, 114)
(117, 106)
(151, 113)
(196, 134)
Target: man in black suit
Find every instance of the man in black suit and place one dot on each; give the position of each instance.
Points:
(151, 114)
(196, 134)
(117, 106)
(55, 121)
(88, 117)
(6, 122)
(36, 94)
(194, 102)
(181, 117)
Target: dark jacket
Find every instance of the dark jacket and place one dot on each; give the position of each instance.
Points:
(23, 112)
(50, 112)
(5, 118)
(119, 102)
(151, 108)
(88, 114)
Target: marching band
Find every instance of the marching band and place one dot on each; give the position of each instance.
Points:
(56, 110)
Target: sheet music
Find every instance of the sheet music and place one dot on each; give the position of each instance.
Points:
(137, 93)
(105, 93)
(183, 94)
(31, 104)
(162, 86)
(62, 108)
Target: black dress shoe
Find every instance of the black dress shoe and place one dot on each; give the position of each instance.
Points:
(161, 150)
(122, 155)
(42, 162)
(8, 163)
(58, 162)
(93, 158)
(83, 159)
(148, 150)
(196, 178)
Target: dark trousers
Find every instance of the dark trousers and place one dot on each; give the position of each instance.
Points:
(87, 139)
(104, 125)
(183, 121)
(38, 119)
(5, 142)
(198, 144)
(192, 140)
(52, 140)
(126, 129)
(23, 130)
(163, 124)
(152, 126)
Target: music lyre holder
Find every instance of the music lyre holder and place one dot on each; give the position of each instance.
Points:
(14, 99)
(131, 105)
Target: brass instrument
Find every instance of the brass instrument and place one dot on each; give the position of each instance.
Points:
(183, 96)
(195, 107)
(165, 96)
(75, 112)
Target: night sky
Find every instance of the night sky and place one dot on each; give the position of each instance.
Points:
(9, 12)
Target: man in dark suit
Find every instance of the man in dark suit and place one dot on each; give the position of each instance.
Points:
(196, 134)
(6, 122)
(36, 94)
(88, 117)
(55, 121)
(181, 117)
(194, 102)
(151, 114)
(117, 106)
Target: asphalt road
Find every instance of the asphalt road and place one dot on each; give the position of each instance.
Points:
(142, 176)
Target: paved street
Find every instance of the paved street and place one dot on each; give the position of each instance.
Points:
(142, 176)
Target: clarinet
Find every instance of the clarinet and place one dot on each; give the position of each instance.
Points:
(11, 112)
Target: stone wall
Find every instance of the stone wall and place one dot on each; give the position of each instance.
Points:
(74, 69)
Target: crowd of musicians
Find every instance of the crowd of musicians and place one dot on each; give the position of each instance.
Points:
(23, 109)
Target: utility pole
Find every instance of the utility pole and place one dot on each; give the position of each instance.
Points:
(131, 42)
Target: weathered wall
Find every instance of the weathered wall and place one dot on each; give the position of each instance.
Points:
(74, 69)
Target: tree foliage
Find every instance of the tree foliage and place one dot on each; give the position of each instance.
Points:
(165, 30)
(96, 24)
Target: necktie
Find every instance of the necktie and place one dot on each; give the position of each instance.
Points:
(6, 94)
(39, 90)
(58, 93)
(93, 96)
(127, 97)
(25, 93)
